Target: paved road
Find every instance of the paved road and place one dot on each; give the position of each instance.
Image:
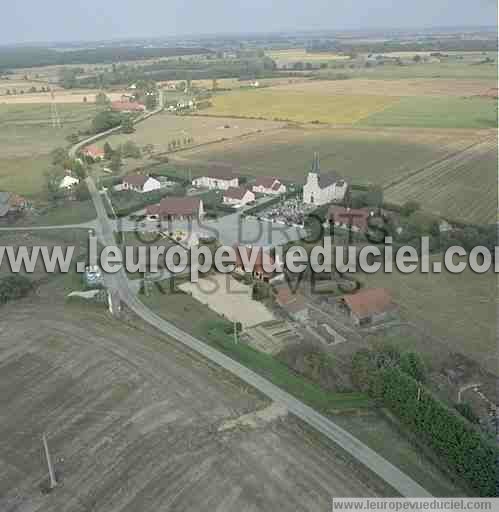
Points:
(377, 464)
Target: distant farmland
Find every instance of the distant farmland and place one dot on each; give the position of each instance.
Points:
(299, 105)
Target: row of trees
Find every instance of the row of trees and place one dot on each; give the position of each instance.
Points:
(178, 143)
(396, 381)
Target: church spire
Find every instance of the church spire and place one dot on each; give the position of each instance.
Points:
(316, 166)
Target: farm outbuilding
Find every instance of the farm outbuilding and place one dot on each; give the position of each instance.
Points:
(370, 306)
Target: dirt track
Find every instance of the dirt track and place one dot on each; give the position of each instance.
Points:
(133, 423)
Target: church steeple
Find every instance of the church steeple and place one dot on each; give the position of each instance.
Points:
(316, 166)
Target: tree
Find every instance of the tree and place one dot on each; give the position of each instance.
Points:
(59, 156)
(409, 207)
(104, 121)
(130, 150)
(127, 125)
(465, 409)
(412, 364)
(81, 192)
(116, 162)
(102, 101)
(151, 101)
(53, 178)
(108, 151)
(78, 170)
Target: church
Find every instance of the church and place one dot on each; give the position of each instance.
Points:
(321, 190)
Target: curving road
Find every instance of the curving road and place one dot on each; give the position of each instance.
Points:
(398, 480)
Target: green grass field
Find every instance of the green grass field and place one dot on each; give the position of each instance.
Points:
(458, 309)
(428, 112)
(27, 138)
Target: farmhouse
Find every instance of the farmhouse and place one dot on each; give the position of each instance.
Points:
(238, 196)
(319, 190)
(93, 152)
(11, 203)
(343, 217)
(269, 186)
(176, 208)
(368, 306)
(216, 182)
(127, 107)
(255, 265)
(140, 183)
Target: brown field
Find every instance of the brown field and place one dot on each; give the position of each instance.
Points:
(462, 187)
(61, 96)
(134, 422)
(163, 128)
(398, 88)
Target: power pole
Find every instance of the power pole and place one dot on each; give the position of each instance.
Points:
(53, 481)
(235, 333)
(54, 111)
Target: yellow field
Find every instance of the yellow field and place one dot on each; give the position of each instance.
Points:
(300, 55)
(299, 106)
(73, 96)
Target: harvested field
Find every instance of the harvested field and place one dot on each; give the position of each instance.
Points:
(399, 88)
(160, 130)
(298, 105)
(462, 187)
(61, 97)
(229, 298)
(364, 155)
(292, 55)
(143, 426)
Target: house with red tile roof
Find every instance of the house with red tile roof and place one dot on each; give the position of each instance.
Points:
(369, 306)
(176, 208)
(255, 262)
(128, 107)
(93, 152)
(343, 217)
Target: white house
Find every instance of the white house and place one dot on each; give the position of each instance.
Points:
(68, 182)
(139, 183)
(238, 196)
(215, 182)
(321, 190)
(269, 186)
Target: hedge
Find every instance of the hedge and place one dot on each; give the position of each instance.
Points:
(465, 451)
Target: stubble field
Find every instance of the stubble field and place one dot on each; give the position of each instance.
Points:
(135, 423)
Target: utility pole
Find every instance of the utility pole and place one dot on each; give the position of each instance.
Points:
(53, 481)
(235, 333)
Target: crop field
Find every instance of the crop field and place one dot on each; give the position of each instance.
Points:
(298, 105)
(160, 130)
(459, 309)
(26, 139)
(396, 87)
(144, 426)
(441, 112)
(292, 55)
(462, 187)
(364, 155)
(62, 97)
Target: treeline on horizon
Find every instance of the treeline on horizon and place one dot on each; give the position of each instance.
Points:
(427, 45)
(14, 58)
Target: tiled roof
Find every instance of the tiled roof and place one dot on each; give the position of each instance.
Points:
(369, 302)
